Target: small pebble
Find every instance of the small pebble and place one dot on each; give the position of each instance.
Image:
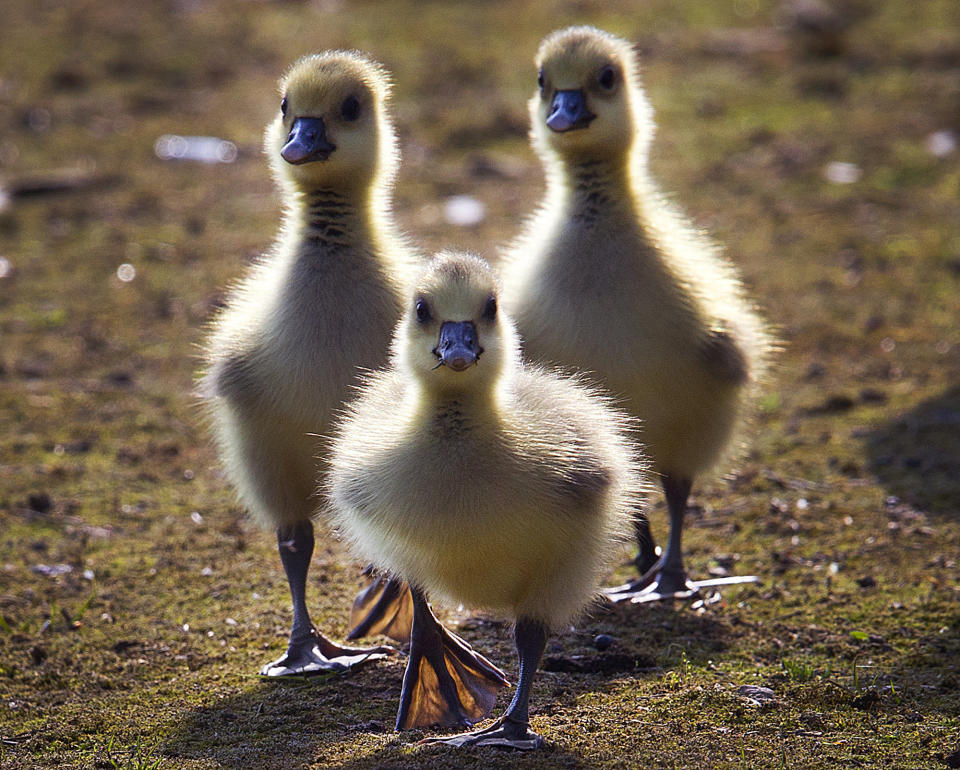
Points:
(756, 693)
(54, 570)
(603, 641)
(941, 143)
(840, 172)
(40, 502)
(126, 272)
(39, 120)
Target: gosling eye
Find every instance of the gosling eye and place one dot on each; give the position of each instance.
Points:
(540, 79)
(607, 78)
(283, 106)
(490, 309)
(350, 109)
(423, 311)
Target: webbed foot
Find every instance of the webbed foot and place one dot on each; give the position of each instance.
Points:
(383, 607)
(504, 733)
(660, 584)
(317, 655)
(446, 682)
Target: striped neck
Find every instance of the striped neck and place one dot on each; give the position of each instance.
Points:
(595, 189)
(332, 219)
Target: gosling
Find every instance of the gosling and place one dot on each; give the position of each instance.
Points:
(284, 352)
(609, 279)
(482, 481)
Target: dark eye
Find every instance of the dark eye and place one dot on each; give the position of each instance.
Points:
(490, 309)
(283, 106)
(423, 311)
(350, 109)
(540, 79)
(607, 77)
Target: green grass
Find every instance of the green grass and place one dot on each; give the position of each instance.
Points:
(145, 653)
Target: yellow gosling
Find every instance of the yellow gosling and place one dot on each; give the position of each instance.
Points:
(482, 481)
(610, 279)
(317, 307)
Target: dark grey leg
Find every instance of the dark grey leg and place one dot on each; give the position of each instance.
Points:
(531, 639)
(296, 550)
(673, 577)
(309, 652)
(445, 681)
(647, 552)
(512, 730)
(667, 579)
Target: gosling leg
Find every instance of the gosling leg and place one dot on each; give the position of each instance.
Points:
(445, 682)
(383, 607)
(648, 552)
(670, 577)
(512, 730)
(667, 579)
(309, 652)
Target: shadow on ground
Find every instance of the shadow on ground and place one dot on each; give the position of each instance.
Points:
(661, 633)
(306, 723)
(302, 723)
(929, 675)
(916, 456)
(482, 758)
(280, 723)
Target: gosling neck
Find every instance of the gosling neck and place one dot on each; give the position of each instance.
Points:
(455, 412)
(595, 189)
(330, 219)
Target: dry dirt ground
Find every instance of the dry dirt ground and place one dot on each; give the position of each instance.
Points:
(136, 601)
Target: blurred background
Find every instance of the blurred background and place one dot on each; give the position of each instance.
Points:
(817, 140)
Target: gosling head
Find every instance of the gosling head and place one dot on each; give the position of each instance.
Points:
(453, 337)
(590, 104)
(332, 127)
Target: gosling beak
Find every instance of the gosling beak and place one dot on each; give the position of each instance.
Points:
(568, 111)
(306, 142)
(458, 347)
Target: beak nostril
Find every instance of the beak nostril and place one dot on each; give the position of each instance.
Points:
(568, 111)
(457, 347)
(307, 142)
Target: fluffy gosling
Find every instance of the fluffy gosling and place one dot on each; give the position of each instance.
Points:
(318, 306)
(609, 279)
(480, 480)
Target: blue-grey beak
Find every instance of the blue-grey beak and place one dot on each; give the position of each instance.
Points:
(458, 347)
(306, 142)
(568, 111)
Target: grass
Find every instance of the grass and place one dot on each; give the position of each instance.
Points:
(144, 652)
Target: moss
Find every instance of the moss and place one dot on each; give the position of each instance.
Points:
(146, 649)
